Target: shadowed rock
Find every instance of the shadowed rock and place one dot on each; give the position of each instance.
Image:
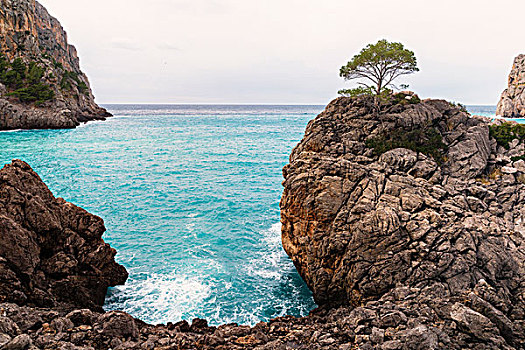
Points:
(51, 251)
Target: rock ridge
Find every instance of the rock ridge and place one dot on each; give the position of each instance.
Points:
(41, 83)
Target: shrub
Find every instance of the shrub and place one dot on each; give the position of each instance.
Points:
(402, 98)
(426, 140)
(506, 132)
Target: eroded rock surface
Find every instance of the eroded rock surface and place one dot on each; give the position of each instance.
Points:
(27, 31)
(512, 102)
(51, 251)
(440, 241)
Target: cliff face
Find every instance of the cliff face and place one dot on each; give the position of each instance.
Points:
(421, 207)
(512, 102)
(51, 252)
(52, 91)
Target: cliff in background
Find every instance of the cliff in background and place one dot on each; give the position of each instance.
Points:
(41, 83)
(512, 102)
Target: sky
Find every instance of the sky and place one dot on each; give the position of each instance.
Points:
(285, 51)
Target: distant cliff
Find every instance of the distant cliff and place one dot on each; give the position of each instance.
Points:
(41, 84)
(512, 102)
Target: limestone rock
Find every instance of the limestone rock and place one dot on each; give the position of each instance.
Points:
(27, 31)
(359, 225)
(51, 252)
(512, 102)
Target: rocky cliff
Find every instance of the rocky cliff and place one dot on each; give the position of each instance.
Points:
(41, 83)
(512, 102)
(51, 251)
(418, 208)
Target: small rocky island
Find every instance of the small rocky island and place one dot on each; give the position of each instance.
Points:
(512, 102)
(41, 83)
(406, 218)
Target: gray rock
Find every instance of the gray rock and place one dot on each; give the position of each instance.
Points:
(512, 102)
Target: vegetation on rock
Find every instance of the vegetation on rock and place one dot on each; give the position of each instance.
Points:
(379, 65)
(25, 81)
(426, 140)
(506, 132)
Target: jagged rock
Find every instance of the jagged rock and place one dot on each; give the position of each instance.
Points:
(512, 102)
(29, 32)
(52, 251)
(359, 225)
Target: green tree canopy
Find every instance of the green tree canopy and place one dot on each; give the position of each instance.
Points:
(379, 65)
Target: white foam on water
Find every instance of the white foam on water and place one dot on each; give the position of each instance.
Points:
(269, 263)
(15, 130)
(161, 298)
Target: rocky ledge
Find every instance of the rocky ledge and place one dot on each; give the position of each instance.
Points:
(41, 83)
(512, 102)
(405, 218)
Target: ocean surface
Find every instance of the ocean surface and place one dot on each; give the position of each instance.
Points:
(190, 197)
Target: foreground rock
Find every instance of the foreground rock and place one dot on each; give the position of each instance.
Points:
(63, 98)
(512, 102)
(51, 251)
(428, 245)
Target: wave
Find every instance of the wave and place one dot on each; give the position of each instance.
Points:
(160, 298)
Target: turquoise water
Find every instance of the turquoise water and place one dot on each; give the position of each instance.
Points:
(190, 197)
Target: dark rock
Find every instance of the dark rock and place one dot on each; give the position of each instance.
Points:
(53, 250)
(118, 324)
(19, 342)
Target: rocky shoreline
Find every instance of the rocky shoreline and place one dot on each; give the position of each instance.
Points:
(404, 248)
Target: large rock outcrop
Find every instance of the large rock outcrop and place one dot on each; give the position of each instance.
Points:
(512, 102)
(51, 251)
(64, 98)
(433, 241)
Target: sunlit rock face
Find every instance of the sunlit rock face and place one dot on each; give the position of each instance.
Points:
(512, 102)
(27, 31)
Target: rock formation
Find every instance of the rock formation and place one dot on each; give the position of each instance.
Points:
(416, 216)
(51, 251)
(45, 88)
(512, 102)
(405, 218)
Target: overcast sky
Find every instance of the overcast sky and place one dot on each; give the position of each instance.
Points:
(285, 51)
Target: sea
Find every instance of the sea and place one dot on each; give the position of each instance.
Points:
(190, 198)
